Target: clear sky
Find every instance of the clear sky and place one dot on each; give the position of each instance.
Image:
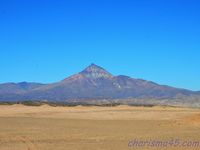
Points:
(48, 40)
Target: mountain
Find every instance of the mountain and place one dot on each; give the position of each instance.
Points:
(17, 88)
(14, 91)
(93, 83)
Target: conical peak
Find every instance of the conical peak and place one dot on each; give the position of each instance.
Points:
(94, 71)
(93, 67)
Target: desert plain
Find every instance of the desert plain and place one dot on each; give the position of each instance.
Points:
(97, 128)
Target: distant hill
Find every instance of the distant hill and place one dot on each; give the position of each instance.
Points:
(18, 88)
(93, 83)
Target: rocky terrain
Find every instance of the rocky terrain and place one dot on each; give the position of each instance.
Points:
(95, 84)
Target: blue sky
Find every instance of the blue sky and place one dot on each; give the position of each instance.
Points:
(48, 40)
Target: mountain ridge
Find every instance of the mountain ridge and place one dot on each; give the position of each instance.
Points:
(94, 82)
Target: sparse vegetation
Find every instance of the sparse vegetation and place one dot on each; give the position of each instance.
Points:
(70, 104)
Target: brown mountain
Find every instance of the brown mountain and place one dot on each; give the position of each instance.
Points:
(94, 82)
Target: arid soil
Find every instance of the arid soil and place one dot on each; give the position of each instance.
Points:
(97, 128)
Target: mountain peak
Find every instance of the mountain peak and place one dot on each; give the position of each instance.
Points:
(95, 71)
(92, 65)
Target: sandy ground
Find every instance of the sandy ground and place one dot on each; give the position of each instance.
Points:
(98, 128)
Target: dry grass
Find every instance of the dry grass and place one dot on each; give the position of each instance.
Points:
(94, 128)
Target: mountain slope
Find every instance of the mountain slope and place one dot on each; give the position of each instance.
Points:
(16, 88)
(15, 91)
(96, 83)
